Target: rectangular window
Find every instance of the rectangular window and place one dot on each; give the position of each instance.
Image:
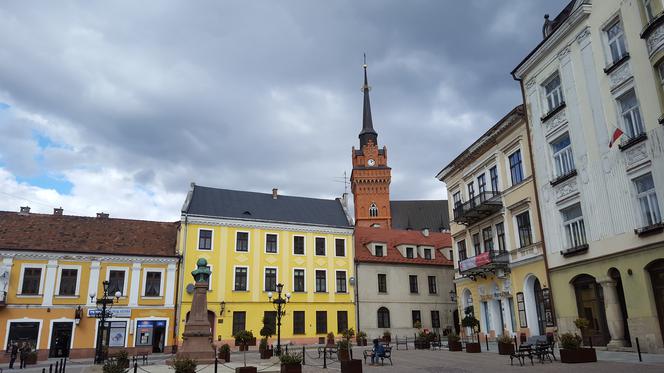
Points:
(239, 321)
(204, 239)
(241, 241)
(117, 329)
(432, 285)
(487, 237)
(553, 92)
(523, 225)
(435, 319)
(500, 234)
(616, 40)
(152, 284)
(630, 114)
(298, 245)
(270, 279)
(270, 243)
(379, 250)
(457, 198)
(409, 252)
(116, 281)
(417, 319)
(521, 307)
(341, 282)
(515, 167)
(660, 71)
(471, 193)
(320, 246)
(427, 253)
(31, 281)
(68, 280)
(575, 230)
(321, 322)
(298, 280)
(340, 246)
(461, 246)
(321, 281)
(270, 318)
(412, 279)
(298, 322)
(493, 174)
(342, 321)
(481, 184)
(476, 244)
(382, 283)
(240, 279)
(647, 197)
(650, 13)
(563, 158)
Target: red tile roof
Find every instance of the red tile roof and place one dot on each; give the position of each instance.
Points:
(80, 234)
(396, 237)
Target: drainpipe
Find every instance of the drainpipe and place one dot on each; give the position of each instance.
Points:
(178, 310)
(357, 298)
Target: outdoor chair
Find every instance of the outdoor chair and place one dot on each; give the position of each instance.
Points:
(525, 351)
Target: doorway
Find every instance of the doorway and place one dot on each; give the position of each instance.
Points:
(539, 306)
(151, 333)
(61, 334)
(590, 305)
(656, 270)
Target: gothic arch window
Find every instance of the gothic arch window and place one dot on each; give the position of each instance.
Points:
(373, 210)
(383, 318)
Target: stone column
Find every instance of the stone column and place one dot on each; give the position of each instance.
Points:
(135, 288)
(614, 315)
(49, 282)
(93, 281)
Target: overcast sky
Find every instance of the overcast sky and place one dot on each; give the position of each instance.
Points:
(118, 106)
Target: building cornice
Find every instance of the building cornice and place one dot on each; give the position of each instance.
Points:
(81, 257)
(266, 225)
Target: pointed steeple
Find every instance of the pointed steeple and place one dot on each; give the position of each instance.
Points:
(368, 132)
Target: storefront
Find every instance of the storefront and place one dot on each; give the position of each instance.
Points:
(151, 333)
(23, 331)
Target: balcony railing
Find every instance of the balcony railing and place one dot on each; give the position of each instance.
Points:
(479, 207)
(478, 265)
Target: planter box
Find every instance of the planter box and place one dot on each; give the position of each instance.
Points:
(455, 346)
(266, 354)
(473, 348)
(246, 370)
(351, 366)
(505, 348)
(343, 354)
(225, 356)
(291, 368)
(582, 355)
(422, 345)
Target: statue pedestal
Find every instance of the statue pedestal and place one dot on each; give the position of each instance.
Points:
(197, 339)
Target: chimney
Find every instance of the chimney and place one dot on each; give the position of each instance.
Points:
(274, 193)
(102, 215)
(425, 232)
(344, 200)
(24, 210)
(58, 211)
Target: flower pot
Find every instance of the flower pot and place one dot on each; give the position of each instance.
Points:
(291, 368)
(505, 348)
(421, 344)
(473, 348)
(246, 370)
(455, 346)
(364, 342)
(226, 356)
(582, 355)
(266, 354)
(351, 366)
(343, 354)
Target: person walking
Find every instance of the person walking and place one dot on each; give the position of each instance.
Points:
(13, 353)
(23, 354)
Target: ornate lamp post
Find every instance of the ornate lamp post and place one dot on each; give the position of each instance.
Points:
(279, 304)
(104, 306)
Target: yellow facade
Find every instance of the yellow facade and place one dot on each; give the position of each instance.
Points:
(223, 259)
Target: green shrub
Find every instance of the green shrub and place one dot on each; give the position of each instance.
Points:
(290, 358)
(570, 341)
(581, 323)
(123, 358)
(263, 344)
(113, 366)
(505, 338)
(387, 334)
(244, 336)
(453, 337)
(225, 348)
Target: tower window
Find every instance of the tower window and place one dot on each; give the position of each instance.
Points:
(373, 210)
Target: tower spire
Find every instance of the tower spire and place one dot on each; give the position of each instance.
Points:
(368, 132)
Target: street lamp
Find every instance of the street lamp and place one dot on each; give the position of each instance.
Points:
(279, 304)
(453, 295)
(106, 304)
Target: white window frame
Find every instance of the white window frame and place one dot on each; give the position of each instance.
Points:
(325, 240)
(248, 242)
(559, 91)
(560, 156)
(265, 241)
(508, 164)
(305, 279)
(647, 194)
(73, 330)
(304, 240)
(161, 282)
(19, 290)
(335, 247)
(59, 277)
(136, 321)
(608, 41)
(276, 278)
(327, 287)
(630, 111)
(126, 278)
(248, 279)
(336, 288)
(117, 319)
(25, 319)
(578, 222)
(198, 240)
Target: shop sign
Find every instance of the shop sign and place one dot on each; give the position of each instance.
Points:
(113, 312)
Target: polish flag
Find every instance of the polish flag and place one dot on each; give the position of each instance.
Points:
(616, 135)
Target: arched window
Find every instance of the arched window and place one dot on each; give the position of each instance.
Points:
(373, 210)
(383, 318)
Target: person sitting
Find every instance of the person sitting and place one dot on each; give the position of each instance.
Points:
(378, 351)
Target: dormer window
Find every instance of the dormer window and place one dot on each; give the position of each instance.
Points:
(379, 250)
(409, 252)
(427, 253)
(373, 210)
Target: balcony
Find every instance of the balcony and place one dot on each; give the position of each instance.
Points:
(479, 207)
(479, 265)
(527, 252)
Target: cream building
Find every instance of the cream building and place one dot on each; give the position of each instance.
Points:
(498, 255)
(599, 68)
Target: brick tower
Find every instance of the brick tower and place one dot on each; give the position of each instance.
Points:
(370, 179)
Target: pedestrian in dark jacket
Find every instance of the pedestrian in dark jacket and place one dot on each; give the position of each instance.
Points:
(23, 354)
(13, 354)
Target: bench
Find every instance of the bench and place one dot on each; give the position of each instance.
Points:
(402, 341)
(388, 355)
(525, 351)
(143, 353)
(329, 350)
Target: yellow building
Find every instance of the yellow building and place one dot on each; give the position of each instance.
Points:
(254, 241)
(51, 264)
(499, 253)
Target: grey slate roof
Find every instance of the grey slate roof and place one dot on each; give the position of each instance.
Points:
(235, 204)
(417, 215)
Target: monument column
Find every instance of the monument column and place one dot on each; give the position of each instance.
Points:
(197, 338)
(614, 315)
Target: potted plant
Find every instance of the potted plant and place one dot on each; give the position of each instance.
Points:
(330, 339)
(244, 337)
(361, 338)
(181, 365)
(264, 349)
(505, 345)
(344, 345)
(123, 358)
(582, 324)
(267, 331)
(291, 362)
(387, 336)
(225, 352)
(422, 341)
(112, 366)
(572, 352)
(469, 321)
(454, 342)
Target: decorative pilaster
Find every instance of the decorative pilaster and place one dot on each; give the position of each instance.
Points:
(93, 282)
(170, 286)
(135, 287)
(49, 282)
(5, 275)
(614, 316)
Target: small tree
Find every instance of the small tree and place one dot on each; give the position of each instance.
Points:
(267, 331)
(244, 337)
(469, 321)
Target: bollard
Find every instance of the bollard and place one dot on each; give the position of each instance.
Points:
(303, 354)
(57, 367)
(215, 363)
(590, 339)
(516, 345)
(350, 350)
(638, 349)
(50, 368)
(325, 357)
(43, 370)
(60, 371)
(486, 341)
(64, 368)
(135, 366)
